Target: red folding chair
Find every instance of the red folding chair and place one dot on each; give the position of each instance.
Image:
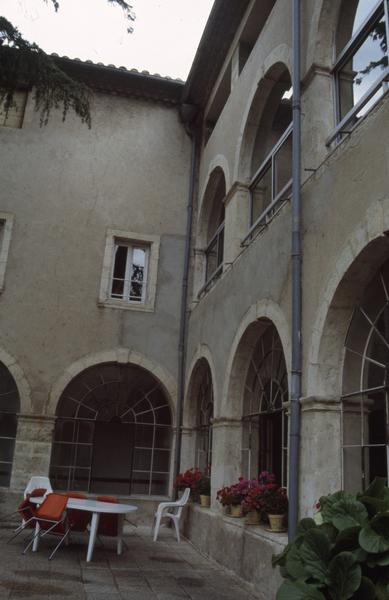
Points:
(78, 519)
(51, 518)
(108, 524)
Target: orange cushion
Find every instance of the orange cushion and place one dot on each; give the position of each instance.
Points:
(37, 492)
(52, 507)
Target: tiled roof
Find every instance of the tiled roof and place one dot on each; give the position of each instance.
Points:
(123, 81)
(121, 68)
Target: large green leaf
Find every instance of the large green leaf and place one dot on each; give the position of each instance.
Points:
(376, 489)
(347, 539)
(375, 505)
(382, 591)
(298, 590)
(280, 559)
(304, 526)
(329, 531)
(344, 576)
(346, 512)
(374, 537)
(315, 553)
(294, 565)
(366, 591)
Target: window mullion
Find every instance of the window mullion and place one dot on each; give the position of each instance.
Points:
(386, 13)
(127, 274)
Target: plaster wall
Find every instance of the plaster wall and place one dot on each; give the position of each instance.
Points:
(345, 208)
(66, 185)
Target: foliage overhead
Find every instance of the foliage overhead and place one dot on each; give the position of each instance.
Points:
(24, 65)
(343, 553)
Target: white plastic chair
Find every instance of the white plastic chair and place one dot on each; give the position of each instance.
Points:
(36, 482)
(170, 510)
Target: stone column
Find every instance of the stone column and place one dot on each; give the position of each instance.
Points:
(32, 448)
(321, 452)
(188, 448)
(226, 454)
(237, 217)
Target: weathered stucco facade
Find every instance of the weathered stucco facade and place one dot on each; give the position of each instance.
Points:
(64, 187)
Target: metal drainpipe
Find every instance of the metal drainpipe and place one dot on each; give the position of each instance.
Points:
(183, 315)
(294, 436)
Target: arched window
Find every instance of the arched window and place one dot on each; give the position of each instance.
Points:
(264, 416)
(365, 402)
(212, 228)
(9, 409)
(204, 417)
(271, 159)
(361, 68)
(113, 433)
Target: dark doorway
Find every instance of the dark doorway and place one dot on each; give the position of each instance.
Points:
(112, 458)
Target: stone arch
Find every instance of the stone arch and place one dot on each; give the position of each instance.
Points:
(242, 348)
(207, 211)
(365, 251)
(121, 356)
(326, 38)
(20, 380)
(221, 162)
(321, 39)
(275, 63)
(203, 353)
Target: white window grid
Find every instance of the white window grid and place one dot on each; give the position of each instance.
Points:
(278, 197)
(346, 124)
(128, 280)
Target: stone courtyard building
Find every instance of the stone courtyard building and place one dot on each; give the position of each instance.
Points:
(146, 272)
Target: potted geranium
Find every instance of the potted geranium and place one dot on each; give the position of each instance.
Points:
(231, 498)
(252, 504)
(274, 503)
(189, 479)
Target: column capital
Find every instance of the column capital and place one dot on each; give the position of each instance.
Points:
(320, 404)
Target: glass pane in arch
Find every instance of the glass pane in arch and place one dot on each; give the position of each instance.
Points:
(264, 419)
(365, 401)
(108, 433)
(204, 416)
(9, 408)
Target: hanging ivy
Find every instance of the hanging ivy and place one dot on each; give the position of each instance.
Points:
(24, 65)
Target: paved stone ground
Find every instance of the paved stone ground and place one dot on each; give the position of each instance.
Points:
(164, 570)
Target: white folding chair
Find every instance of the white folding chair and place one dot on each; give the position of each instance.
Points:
(170, 510)
(38, 482)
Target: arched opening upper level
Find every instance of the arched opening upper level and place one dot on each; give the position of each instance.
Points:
(211, 228)
(266, 155)
(361, 66)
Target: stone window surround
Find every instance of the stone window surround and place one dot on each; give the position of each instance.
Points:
(6, 225)
(153, 243)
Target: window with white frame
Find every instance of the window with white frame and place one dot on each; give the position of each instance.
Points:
(129, 270)
(129, 274)
(361, 70)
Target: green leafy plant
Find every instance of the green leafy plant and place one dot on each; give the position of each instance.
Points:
(343, 552)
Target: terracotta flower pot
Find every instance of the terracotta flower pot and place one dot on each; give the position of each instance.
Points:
(253, 517)
(205, 500)
(276, 522)
(236, 510)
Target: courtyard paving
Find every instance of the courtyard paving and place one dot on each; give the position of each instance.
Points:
(164, 570)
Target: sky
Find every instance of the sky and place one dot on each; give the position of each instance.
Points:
(165, 38)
